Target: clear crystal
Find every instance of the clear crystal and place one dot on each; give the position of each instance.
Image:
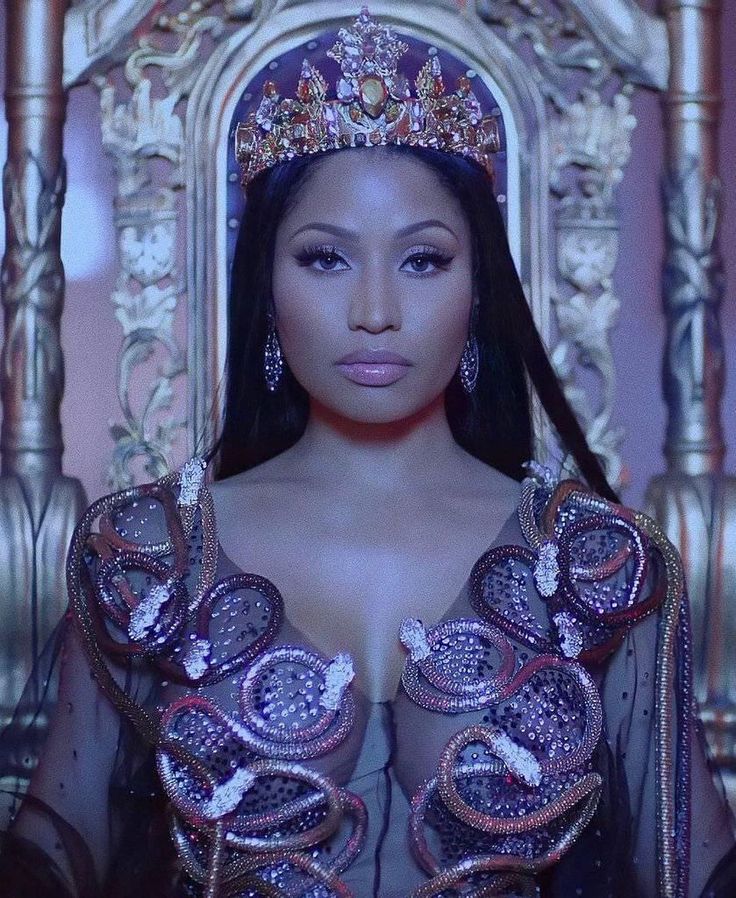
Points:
(547, 569)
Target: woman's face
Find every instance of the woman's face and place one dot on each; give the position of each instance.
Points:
(374, 257)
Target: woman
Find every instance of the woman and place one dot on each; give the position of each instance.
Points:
(298, 731)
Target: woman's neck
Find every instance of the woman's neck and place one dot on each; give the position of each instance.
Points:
(417, 450)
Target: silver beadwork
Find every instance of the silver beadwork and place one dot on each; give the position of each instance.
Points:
(338, 676)
(273, 364)
(227, 795)
(192, 476)
(414, 637)
(144, 616)
(469, 364)
(547, 569)
(197, 654)
(519, 760)
(571, 637)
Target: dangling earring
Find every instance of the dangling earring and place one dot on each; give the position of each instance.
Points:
(273, 364)
(469, 364)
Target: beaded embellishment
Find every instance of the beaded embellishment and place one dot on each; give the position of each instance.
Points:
(587, 560)
(510, 795)
(155, 596)
(514, 792)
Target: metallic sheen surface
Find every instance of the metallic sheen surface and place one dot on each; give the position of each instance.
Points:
(38, 504)
(695, 501)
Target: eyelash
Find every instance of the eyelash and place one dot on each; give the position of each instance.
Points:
(311, 253)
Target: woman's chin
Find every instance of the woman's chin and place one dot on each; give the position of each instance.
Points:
(377, 406)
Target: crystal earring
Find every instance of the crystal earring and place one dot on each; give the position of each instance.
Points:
(273, 364)
(469, 364)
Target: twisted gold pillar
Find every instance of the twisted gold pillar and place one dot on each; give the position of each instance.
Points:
(38, 505)
(695, 501)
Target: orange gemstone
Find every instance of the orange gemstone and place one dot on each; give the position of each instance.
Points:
(373, 95)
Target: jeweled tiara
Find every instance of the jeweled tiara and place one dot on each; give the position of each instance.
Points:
(374, 107)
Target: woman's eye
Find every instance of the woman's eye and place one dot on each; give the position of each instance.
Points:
(328, 260)
(421, 260)
(327, 257)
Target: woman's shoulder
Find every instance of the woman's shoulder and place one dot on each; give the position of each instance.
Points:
(589, 567)
(145, 512)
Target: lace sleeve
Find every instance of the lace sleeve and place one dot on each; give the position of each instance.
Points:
(628, 693)
(71, 782)
(61, 836)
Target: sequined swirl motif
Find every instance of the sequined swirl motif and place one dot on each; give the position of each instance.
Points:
(248, 812)
(374, 106)
(514, 791)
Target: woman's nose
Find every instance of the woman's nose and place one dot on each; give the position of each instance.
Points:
(375, 304)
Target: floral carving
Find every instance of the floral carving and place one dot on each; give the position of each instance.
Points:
(590, 143)
(138, 132)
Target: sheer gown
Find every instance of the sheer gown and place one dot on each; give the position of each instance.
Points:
(541, 742)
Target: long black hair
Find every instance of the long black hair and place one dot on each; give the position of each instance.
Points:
(493, 423)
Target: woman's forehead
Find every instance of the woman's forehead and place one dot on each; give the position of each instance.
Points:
(372, 189)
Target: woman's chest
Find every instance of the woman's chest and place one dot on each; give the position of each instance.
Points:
(350, 593)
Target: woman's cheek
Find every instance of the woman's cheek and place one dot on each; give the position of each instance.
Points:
(308, 340)
(445, 332)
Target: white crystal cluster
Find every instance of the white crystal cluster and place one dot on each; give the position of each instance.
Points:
(338, 676)
(414, 637)
(196, 658)
(226, 796)
(192, 475)
(519, 760)
(547, 569)
(571, 639)
(144, 616)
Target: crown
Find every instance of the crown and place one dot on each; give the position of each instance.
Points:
(374, 106)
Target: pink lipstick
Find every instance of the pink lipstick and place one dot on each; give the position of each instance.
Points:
(377, 368)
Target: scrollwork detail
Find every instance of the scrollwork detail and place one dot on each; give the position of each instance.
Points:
(589, 140)
(138, 132)
(558, 41)
(591, 144)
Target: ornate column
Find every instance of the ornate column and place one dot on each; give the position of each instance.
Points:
(695, 500)
(38, 505)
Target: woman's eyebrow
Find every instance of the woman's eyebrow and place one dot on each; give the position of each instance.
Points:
(346, 234)
(343, 233)
(421, 225)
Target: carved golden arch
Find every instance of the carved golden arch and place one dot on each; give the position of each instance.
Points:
(567, 151)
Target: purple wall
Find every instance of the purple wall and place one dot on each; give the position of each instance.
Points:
(91, 334)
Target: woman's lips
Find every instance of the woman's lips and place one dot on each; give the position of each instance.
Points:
(374, 367)
(374, 374)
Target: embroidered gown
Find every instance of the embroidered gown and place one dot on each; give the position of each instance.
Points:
(541, 742)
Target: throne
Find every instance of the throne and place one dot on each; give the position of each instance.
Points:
(174, 76)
